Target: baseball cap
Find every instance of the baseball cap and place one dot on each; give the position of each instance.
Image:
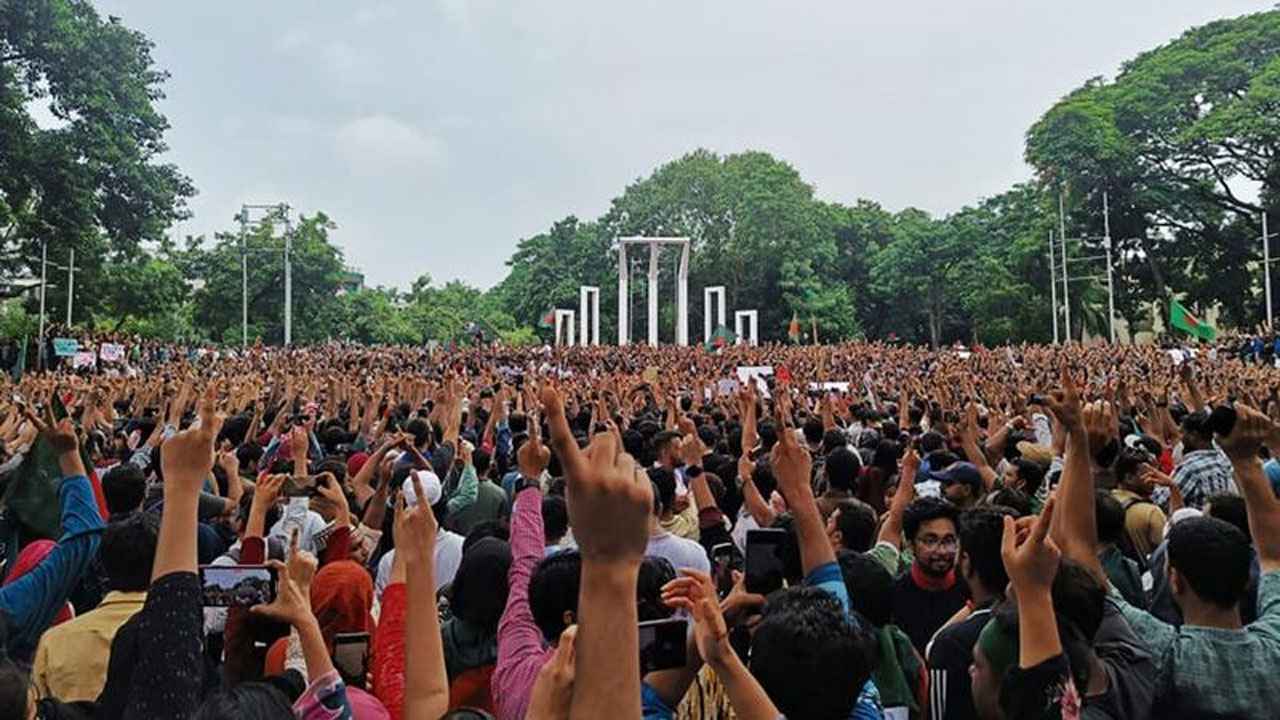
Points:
(959, 472)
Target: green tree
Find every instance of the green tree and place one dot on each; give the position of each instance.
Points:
(94, 183)
(317, 274)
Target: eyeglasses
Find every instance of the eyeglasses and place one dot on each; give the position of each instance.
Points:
(933, 542)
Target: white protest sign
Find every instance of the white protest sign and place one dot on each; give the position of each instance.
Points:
(756, 374)
(111, 352)
(85, 359)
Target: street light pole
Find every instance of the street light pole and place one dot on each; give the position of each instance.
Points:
(44, 279)
(1266, 266)
(1111, 288)
(288, 277)
(244, 278)
(1066, 294)
(1053, 288)
(71, 284)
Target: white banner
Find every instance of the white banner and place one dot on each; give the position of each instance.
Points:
(111, 352)
(85, 359)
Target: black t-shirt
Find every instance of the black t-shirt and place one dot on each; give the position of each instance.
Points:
(950, 655)
(921, 612)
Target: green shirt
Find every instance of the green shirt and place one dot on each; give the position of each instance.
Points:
(1206, 672)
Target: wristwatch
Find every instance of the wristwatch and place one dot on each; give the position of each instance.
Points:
(523, 482)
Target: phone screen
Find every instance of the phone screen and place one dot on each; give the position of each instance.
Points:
(351, 657)
(662, 644)
(237, 585)
(725, 558)
(764, 560)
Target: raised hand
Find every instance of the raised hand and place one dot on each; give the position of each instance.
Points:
(415, 529)
(553, 690)
(610, 497)
(695, 593)
(792, 466)
(292, 605)
(1064, 402)
(533, 457)
(187, 457)
(1032, 564)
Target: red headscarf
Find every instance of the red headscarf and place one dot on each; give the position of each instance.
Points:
(341, 600)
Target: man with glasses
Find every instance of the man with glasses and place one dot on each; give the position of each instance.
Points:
(927, 595)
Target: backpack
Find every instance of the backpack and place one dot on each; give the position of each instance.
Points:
(1125, 543)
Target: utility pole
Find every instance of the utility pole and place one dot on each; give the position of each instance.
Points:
(1053, 288)
(71, 284)
(1111, 288)
(1266, 266)
(44, 279)
(244, 277)
(1062, 237)
(288, 276)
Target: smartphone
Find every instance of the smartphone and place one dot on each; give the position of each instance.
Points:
(351, 657)
(237, 585)
(764, 564)
(725, 558)
(662, 644)
(301, 487)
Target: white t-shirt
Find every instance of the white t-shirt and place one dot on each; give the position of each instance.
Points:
(448, 556)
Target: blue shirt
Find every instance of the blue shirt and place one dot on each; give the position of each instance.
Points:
(31, 602)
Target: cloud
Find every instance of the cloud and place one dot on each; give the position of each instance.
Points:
(378, 142)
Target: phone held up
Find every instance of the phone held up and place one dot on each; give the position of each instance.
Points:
(725, 558)
(765, 565)
(662, 644)
(237, 585)
(351, 657)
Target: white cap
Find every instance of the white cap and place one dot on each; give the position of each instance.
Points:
(430, 485)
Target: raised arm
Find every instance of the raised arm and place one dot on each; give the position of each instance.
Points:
(792, 466)
(891, 530)
(1074, 528)
(610, 501)
(1251, 430)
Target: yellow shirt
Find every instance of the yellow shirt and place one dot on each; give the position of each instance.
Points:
(71, 659)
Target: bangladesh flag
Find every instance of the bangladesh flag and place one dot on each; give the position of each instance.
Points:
(722, 337)
(548, 319)
(1182, 319)
(30, 491)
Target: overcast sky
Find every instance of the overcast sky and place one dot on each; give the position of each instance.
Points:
(437, 133)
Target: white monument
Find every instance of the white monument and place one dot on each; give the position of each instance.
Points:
(707, 326)
(564, 321)
(750, 318)
(682, 288)
(589, 315)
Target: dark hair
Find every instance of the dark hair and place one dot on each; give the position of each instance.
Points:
(496, 529)
(922, 510)
(555, 518)
(1032, 474)
(124, 487)
(15, 689)
(811, 657)
(128, 549)
(664, 482)
(479, 592)
(1214, 557)
(856, 522)
(654, 573)
(1110, 514)
(663, 439)
(981, 530)
(1079, 603)
(553, 590)
(813, 430)
(870, 586)
(1229, 508)
(1128, 464)
(1016, 500)
(833, 439)
(842, 467)
(246, 701)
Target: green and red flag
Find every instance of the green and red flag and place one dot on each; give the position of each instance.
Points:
(548, 319)
(722, 337)
(1182, 319)
(30, 491)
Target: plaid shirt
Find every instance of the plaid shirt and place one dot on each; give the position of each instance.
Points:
(1201, 474)
(1211, 672)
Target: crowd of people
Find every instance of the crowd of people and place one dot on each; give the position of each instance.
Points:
(495, 532)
